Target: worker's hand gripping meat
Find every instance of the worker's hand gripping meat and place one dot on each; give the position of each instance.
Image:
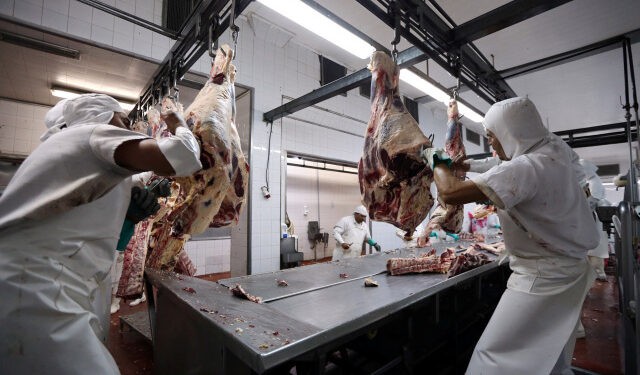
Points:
(536, 194)
(60, 219)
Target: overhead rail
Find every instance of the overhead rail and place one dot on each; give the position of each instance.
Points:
(430, 34)
(206, 23)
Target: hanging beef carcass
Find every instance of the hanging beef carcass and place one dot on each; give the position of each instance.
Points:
(394, 179)
(449, 217)
(224, 174)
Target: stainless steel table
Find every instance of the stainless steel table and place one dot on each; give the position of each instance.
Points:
(199, 327)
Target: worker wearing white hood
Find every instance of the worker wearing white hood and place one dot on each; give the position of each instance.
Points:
(60, 219)
(547, 229)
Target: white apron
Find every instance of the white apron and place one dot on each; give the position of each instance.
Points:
(531, 330)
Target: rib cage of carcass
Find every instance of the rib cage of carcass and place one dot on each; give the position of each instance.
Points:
(394, 179)
(215, 195)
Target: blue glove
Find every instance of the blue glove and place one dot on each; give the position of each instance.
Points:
(434, 156)
(128, 227)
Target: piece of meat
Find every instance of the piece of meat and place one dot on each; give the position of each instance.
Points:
(427, 262)
(131, 280)
(394, 179)
(467, 261)
(449, 217)
(224, 177)
(483, 211)
(239, 292)
(184, 265)
(491, 249)
(369, 282)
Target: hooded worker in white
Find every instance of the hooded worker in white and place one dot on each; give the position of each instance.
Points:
(350, 233)
(596, 198)
(548, 229)
(60, 219)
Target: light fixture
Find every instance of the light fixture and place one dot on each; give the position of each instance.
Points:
(66, 93)
(316, 22)
(437, 93)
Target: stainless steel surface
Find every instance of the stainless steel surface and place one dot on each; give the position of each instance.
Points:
(316, 310)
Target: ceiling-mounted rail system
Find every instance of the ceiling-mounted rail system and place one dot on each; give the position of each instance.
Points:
(448, 46)
(193, 41)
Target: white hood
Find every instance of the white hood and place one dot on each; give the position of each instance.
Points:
(84, 109)
(516, 123)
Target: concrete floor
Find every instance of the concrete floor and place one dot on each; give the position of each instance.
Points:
(599, 351)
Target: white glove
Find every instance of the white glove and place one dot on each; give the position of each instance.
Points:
(182, 151)
(433, 156)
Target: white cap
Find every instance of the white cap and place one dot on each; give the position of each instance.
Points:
(84, 109)
(360, 210)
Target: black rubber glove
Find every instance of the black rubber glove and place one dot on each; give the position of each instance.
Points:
(163, 189)
(144, 203)
(378, 248)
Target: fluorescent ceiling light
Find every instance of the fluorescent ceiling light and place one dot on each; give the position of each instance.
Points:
(70, 94)
(438, 94)
(316, 22)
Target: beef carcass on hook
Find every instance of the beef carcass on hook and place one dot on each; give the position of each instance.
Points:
(394, 179)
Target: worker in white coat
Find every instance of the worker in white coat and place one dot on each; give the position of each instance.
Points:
(596, 198)
(350, 234)
(60, 219)
(548, 229)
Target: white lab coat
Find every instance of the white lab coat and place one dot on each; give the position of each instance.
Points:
(547, 230)
(60, 219)
(348, 231)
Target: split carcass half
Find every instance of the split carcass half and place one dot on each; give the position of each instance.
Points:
(394, 179)
(211, 119)
(449, 217)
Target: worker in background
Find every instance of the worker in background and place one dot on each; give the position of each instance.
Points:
(350, 234)
(548, 229)
(411, 239)
(60, 219)
(596, 197)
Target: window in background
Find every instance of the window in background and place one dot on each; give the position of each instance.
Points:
(330, 71)
(473, 137)
(412, 107)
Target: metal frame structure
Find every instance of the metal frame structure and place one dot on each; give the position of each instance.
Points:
(205, 24)
(448, 46)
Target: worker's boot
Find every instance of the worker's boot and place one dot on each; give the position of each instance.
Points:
(115, 304)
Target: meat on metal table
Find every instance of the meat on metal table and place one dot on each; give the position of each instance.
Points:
(200, 327)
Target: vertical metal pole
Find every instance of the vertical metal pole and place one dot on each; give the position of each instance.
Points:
(632, 175)
(633, 88)
(627, 287)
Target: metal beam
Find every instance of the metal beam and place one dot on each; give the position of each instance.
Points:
(407, 57)
(572, 55)
(501, 18)
(423, 28)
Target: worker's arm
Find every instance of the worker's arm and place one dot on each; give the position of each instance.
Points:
(453, 191)
(338, 230)
(177, 155)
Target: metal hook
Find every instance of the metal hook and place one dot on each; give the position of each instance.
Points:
(213, 45)
(395, 13)
(234, 28)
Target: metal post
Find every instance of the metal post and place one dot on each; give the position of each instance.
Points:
(627, 266)
(633, 85)
(627, 107)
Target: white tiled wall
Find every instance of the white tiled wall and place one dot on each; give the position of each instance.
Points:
(81, 20)
(21, 126)
(210, 256)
